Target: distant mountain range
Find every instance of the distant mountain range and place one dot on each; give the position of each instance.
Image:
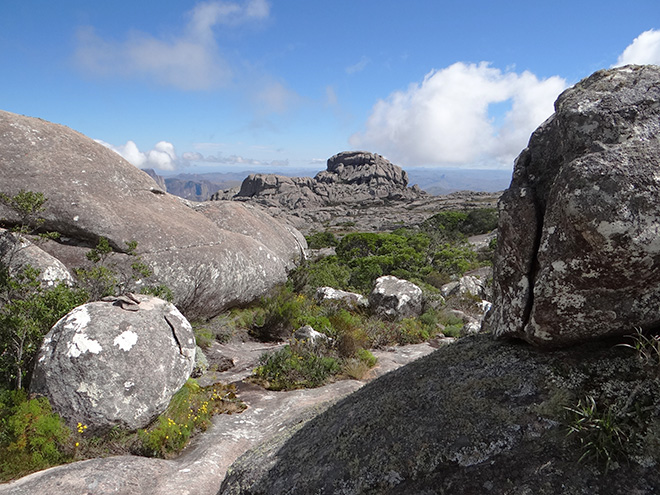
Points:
(436, 181)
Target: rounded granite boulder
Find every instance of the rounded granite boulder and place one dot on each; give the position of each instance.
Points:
(115, 362)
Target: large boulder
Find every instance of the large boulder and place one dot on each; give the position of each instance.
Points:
(116, 362)
(93, 192)
(394, 299)
(284, 240)
(578, 250)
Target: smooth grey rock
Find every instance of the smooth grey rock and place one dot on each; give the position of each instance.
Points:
(91, 191)
(467, 284)
(330, 294)
(250, 220)
(395, 299)
(578, 255)
(16, 251)
(104, 366)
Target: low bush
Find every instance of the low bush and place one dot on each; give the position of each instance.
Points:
(32, 437)
(297, 365)
(319, 240)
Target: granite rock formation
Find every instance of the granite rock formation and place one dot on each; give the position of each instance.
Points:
(358, 190)
(394, 299)
(17, 252)
(350, 177)
(578, 250)
(116, 362)
(92, 192)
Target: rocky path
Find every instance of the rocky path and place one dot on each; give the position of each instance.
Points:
(200, 469)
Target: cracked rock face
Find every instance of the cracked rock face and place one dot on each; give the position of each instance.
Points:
(116, 362)
(579, 232)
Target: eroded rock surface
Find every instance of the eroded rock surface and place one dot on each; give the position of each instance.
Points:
(350, 177)
(115, 363)
(578, 250)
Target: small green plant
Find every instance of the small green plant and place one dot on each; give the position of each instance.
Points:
(32, 436)
(319, 240)
(600, 437)
(189, 411)
(297, 365)
(105, 278)
(646, 346)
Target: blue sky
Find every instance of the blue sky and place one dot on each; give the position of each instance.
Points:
(186, 86)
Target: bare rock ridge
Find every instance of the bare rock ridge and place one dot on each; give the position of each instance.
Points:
(586, 190)
(357, 188)
(93, 192)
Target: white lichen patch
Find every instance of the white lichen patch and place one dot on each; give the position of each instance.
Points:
(80, 344)
(126, 340)
(77, 320)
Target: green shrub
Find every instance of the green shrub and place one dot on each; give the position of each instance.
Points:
(28, 313)
(282, 314)
(204, 338)
(297, 365)
(32, 437)
(367, 357)
(319, 240)
(327, 272)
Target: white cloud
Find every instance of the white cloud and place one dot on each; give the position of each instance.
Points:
(645, 49)
(275, 97)
(193, 156)
(445, 119)
(162, 156)
(358, 66)
(191, 61)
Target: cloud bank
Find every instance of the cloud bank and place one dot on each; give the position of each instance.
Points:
(231, 160)
(162, 156)
(451, 117)
(190, 61)
(645, 49)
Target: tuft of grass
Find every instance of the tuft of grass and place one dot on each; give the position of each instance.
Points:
(646, 346)
(600, 436)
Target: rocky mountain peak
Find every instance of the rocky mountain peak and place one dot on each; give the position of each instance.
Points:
(362, 167)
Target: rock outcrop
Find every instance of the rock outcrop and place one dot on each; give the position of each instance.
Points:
(92, 192)
(578, 250)
(476, 416)
(115, 363)
(358, 190)
(394, 299)
(350, 177)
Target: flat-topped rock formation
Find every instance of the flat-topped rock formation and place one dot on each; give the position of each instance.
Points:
(358, 189)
